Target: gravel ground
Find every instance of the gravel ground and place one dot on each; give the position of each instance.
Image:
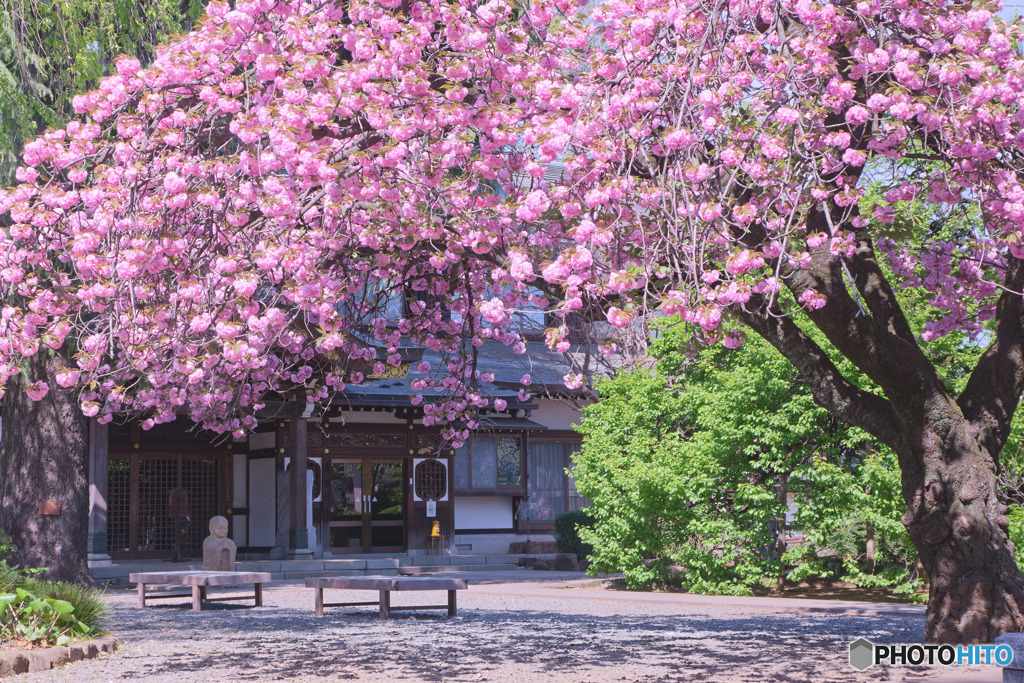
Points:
(498, 636)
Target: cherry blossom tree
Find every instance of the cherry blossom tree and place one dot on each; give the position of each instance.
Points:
(211, 231)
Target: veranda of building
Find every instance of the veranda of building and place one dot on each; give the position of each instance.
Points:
(366, 476)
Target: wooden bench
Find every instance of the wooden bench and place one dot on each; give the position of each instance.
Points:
(199, 581)
(385, 584)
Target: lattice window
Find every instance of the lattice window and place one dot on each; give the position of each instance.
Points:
(355, 439)
(119, 505)
(201, 479)
(429, 443)
(314, 439)
(156, 477)
(431, 480)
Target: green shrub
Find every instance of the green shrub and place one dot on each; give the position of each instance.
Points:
(7, 550)
(39, 620)
(683, 466)
(10, 578)
(1016, 515)
(90, 608)
(567, 533)
(44, 612)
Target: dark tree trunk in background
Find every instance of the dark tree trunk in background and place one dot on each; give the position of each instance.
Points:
(869, 547)
(780, 531)
(44, 457)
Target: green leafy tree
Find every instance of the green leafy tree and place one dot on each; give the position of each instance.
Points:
(656, 503)
(692, 469)
(51, 50)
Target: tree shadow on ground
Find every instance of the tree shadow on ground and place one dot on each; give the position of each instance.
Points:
(482, 644)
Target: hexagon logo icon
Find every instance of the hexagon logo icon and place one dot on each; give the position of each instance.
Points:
(862, 654)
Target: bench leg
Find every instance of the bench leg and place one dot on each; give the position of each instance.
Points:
(197, 599)
(385, 605)
(142, 595)
(451, 603)
(318, 607)
(259, 595)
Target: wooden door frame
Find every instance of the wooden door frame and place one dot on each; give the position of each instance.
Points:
(327, 488)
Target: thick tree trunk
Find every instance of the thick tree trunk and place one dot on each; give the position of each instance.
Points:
(780, 531)
(44, 458)
(959, 528)
(927, 580)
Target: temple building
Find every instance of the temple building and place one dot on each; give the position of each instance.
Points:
(364, 476)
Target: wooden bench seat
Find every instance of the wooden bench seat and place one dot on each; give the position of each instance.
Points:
(385, 584)
(199, 581)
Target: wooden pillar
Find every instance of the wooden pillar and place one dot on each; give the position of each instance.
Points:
(298, 534)
(98, 463)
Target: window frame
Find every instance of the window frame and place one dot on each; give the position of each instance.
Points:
(569, 488)
(508, 490)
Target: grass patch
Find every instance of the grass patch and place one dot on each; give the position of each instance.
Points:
(35, 612)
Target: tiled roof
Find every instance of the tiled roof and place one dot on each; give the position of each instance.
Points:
(545, 367)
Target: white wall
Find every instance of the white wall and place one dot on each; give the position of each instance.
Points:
(240, 526)
(555, 414)
(483, 512)
(262, 502)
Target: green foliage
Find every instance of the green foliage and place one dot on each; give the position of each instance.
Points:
(1016, 515)
(685, 463)
(89, 606)
(567, 532)
(684, 466)
(659, 503)
(843, 503)
(51, 50)
(7, 549)
(10, 578)
(44, 612)
(39, 620)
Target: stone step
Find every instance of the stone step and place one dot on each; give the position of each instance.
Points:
(431, 569)
(446, 568)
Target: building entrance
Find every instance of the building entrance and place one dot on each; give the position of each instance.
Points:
(366, 505)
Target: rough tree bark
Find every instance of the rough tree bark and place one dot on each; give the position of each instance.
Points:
(44, 457)
(780, 530)
(948, 447)
(959, 528)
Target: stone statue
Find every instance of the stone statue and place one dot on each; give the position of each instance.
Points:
(219, 550)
